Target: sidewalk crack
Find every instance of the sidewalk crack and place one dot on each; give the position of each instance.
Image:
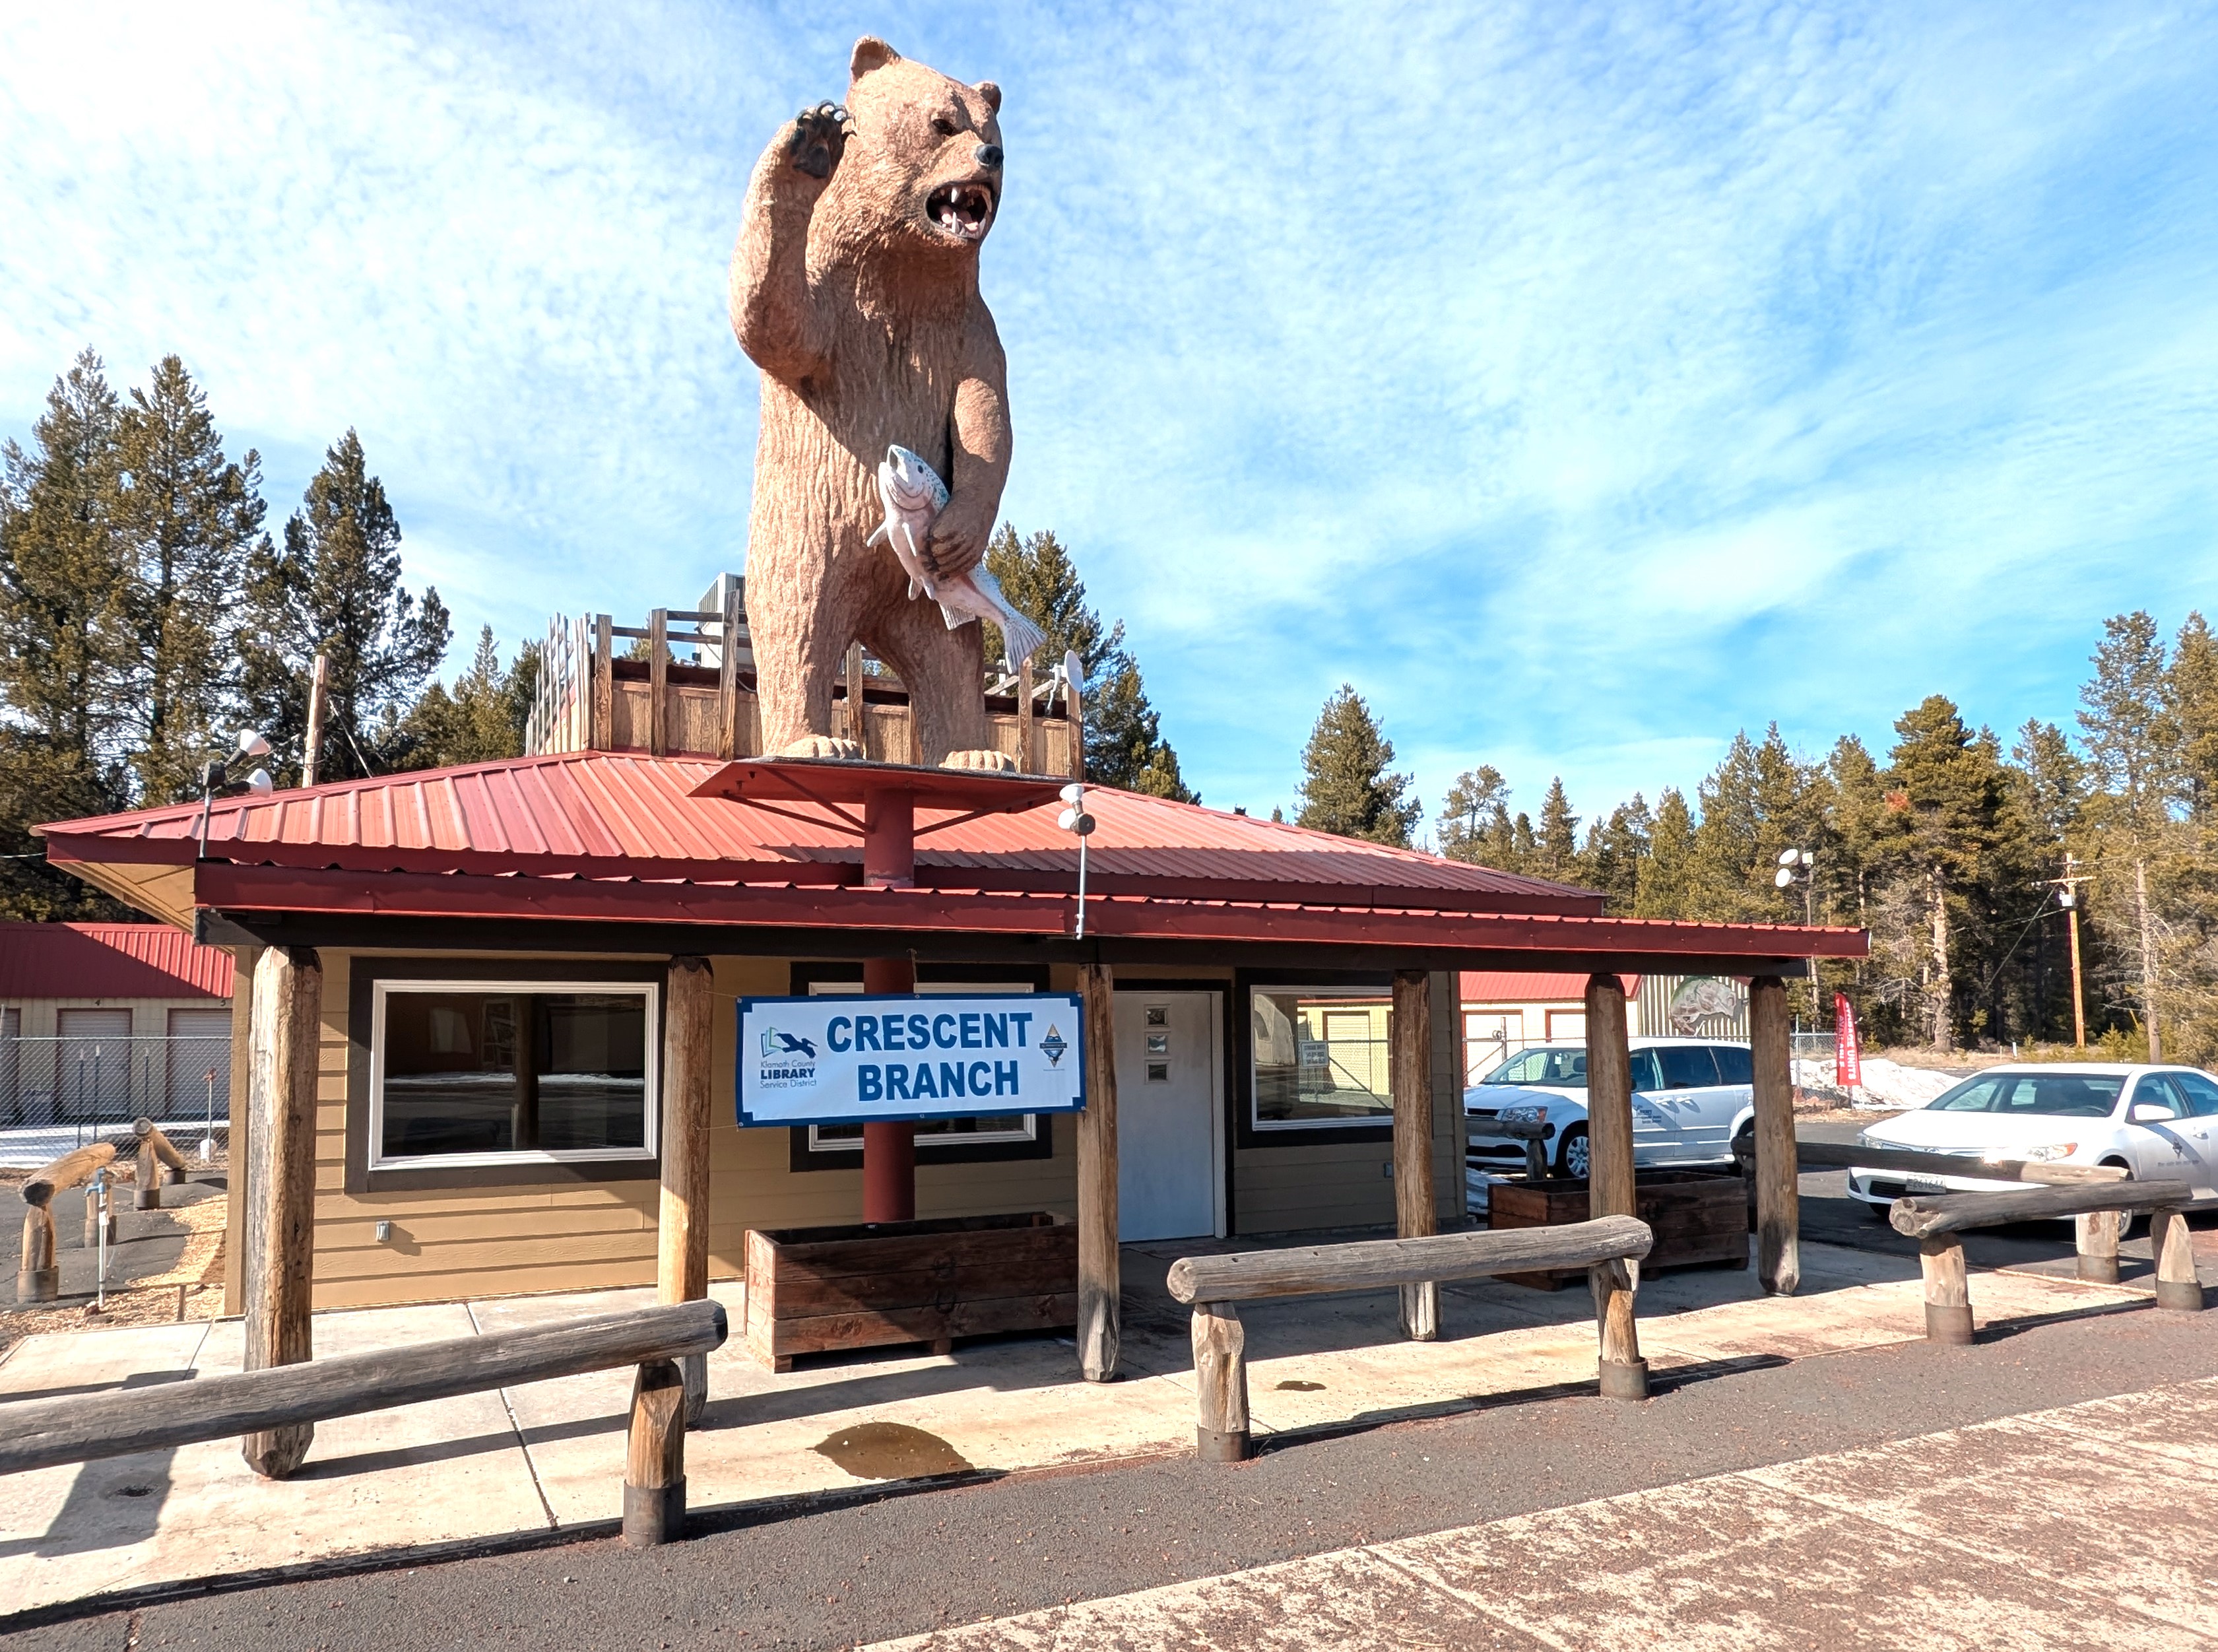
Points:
(531, 1467)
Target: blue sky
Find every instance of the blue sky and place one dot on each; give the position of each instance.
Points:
(1582, 383)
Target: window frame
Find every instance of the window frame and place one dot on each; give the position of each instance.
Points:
(377, 1163)
(1256, 1130)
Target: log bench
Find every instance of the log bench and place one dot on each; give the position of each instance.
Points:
(1937, 1221)
(41, 1433)
(1213, 1286)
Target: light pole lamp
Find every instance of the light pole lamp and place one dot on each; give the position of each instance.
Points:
(216, 781)
(1796, 866)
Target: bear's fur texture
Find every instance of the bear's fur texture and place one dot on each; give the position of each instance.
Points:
(855, 289)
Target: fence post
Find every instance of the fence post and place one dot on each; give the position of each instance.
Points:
(2096, 1236)
(1220, 1381)
(1947, 1293)
(2177, 1285)
(654, 1457)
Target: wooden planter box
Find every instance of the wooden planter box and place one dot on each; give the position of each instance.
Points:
(813, 1290)
(1698, 1216)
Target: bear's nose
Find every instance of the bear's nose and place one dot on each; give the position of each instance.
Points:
(989, 154)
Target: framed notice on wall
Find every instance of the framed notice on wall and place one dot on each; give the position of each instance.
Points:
(882, 1058)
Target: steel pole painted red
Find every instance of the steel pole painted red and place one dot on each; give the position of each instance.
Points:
(889, 862)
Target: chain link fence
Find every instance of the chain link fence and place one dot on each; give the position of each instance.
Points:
(75, 1089)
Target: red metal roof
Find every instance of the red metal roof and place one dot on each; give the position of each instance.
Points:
(108, 960)
(601, 836)
(601, 814)
(1528, 986)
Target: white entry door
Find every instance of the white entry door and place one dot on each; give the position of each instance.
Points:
(1170, 1121)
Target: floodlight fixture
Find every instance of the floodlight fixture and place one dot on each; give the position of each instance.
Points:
(1073, 794)
(1074, 819)
(251, 744)
(1783, 876)
(1788, 857)
(260, 784)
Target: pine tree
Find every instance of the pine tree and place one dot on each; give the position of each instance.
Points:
(336, 589)
(1346, 787)
(2133, 749)
(1617, 847)
(189, 519)
(62, 572)
(1559, 835)
(1475, 815)
(1124, 746)
(481, 719)
(1665, 886)
(1945, 821)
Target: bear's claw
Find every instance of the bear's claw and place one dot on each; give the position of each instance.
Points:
(998, 763)
(819, 139)
(822, 745)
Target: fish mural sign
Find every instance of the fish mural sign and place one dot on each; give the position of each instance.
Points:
(885, 1058)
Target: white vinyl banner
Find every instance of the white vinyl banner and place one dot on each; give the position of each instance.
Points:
(843, 1059)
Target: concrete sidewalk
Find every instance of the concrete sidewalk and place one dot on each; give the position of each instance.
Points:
(2085, 1525)
(487, 1468)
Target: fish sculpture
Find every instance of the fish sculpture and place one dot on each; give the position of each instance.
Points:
(913, 497)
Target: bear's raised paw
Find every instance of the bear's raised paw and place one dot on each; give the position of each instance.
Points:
(998, 763)
(823, 745)
(819, 139)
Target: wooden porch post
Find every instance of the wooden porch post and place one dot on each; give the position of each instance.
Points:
(243, 962)
(1099, 1282)
(1411, 1083)
(280, 1241)
(1610, 1182)
(1778, 1203)
(681, 1257)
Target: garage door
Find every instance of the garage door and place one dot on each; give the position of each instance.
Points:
(198, 1056)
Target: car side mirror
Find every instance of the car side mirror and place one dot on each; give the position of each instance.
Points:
(2150, 1113)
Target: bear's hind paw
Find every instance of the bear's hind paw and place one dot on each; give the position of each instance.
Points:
(823, 745)
(999, 762)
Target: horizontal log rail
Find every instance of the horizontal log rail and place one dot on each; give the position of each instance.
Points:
(1606, 1247)
(1937, 1222)
(1910, 1161)
(42, 1433)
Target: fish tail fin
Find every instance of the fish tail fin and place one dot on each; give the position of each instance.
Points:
(1019, 636)
(878, 535)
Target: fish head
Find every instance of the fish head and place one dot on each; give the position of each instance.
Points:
(909, 483)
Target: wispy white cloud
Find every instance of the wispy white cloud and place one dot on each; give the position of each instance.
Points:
(1582, 382)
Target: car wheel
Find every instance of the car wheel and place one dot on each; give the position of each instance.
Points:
(1571, 1158)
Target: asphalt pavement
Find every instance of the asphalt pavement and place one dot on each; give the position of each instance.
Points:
(872, 1566)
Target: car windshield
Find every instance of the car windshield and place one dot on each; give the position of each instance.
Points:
(1565, 1069)
(2056, 1094)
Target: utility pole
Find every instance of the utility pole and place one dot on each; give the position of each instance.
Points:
(2067, 897)
(318, 700)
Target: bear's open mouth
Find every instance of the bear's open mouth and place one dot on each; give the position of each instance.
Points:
(963, 210)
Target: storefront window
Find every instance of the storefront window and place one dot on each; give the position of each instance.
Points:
(469, 1072)
(1320, 1056)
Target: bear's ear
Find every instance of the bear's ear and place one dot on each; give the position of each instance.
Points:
(991, 93)
(870, 52)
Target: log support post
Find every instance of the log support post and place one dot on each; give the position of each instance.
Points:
(1778, 1172)
(654, 1457)
(1947, 1293)
(1220, 1381)
(147, 1194)
(2177, 1285)
(1624, 1373)
(38, 1274)
(278, 1266)
(2096, 1233)
(1411, 1085)
(681, 1262)
(1099, 1279)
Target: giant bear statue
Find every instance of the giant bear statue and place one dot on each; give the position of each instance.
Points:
(855, 289)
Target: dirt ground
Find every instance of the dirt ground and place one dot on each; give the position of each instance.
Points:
(166, 1264)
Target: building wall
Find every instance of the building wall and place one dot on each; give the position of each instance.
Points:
(536, 1237)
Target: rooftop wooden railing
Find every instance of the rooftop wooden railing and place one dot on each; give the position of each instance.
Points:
(79, 1428)
(1213, 1285)
(594, 695)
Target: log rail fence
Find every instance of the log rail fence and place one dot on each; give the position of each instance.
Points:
(1937, 1223)
(1213, 1286)
(79, 1428)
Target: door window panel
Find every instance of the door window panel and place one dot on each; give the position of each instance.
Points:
(1735, 1064)
(2202, 1095)
(1686, 1066)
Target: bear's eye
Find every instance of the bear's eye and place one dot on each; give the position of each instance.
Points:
(943, 126)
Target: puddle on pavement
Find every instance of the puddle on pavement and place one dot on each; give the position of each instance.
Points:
(891, 1451)
(1291, 1386)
